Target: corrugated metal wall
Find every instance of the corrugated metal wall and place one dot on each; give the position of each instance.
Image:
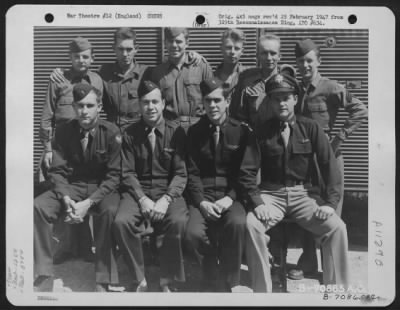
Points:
(347, 62)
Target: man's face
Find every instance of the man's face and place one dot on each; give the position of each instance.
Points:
(152, 106)
(176, 46)
(231, 50)
(308, 65)
(81, 61)
(283, 104)
(215, 105)
(269, 54)
(125, 52)
(87, 110)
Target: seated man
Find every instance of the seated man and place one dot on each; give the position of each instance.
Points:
(85, 173)
(285, 149)
(217, 220)
(154, 177)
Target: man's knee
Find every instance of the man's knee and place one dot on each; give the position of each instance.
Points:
(236, 220)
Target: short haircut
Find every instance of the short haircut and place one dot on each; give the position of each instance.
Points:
(169, 36)
(125, 33)
(234, 34)
(269, 36)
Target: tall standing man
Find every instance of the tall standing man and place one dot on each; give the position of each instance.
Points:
(321, 99)
(216, 227)
(154, 177)
(179, 78)
(285, 150)
(249, 100)
(232, 47)
(85, 174)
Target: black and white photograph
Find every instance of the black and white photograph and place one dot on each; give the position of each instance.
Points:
(230, 157)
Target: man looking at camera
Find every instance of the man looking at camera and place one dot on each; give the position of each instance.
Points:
(154, 177)
(216, 227)
(85, 174)
(285, 150)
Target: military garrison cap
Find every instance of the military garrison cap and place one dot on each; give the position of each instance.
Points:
(79, 44)
(81, 90)
(209, 85)
(281, 83)
(146, 87)
(304, 46)
(171, 32)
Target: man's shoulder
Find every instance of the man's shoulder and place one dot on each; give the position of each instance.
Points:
(106, 70)
(108, 126)
(174, 126)
(306, 121)
(250, 76)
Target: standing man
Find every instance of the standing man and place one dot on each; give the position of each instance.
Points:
(321, 99)
(58, 108)
(179, 78)
(228, 71)
(285, 153)
(122, 79)
(249, 95)
(85, 174)
(216, 227)
(154, 177)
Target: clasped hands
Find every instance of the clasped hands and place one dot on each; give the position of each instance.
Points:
(154, 211)
(213, 210)
(76, 211)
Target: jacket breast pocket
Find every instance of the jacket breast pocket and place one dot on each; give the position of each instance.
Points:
(302, 147)
(166, 156)
(65, 96)
(319, 111)
(192, 86)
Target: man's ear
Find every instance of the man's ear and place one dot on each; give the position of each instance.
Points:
(295, 97)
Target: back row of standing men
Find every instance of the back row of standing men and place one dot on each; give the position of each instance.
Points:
(222, 156)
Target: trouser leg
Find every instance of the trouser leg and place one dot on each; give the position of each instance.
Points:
(257, 254)
(47, 209)
(232, 227)
(173, 227)
(105, 264)
(308, 259)
(127, 229)
(330, 233)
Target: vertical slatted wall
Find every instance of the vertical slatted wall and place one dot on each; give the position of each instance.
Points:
(347, 63)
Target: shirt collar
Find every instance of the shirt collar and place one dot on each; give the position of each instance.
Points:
(160, 128)
(314, 82)
(133, 72)
(92, 131)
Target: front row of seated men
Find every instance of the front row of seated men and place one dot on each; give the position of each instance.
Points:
(137, 182)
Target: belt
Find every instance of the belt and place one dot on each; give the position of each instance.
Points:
(286, 183)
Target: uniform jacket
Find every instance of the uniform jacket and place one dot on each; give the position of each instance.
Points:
(322, 100)
(294, 164)
(213, 173)
(158, 173)
(181, 88)
(58, 108)
(101, 164)
(121, 100)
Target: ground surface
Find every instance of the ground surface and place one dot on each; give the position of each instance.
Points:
(78, 276)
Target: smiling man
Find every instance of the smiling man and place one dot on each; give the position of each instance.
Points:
(249, 102)
(321, 99)
(286, 148)
(216, 227)
(180, 77)
(154, 177)
(85, 174)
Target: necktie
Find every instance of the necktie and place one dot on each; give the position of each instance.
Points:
(216, 136)
(285, 133)
(84, 140)
(152, 139)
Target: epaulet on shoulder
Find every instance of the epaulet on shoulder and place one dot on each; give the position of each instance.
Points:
(244, 124)
(171, 124)
(110, 126)
(304, 119)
